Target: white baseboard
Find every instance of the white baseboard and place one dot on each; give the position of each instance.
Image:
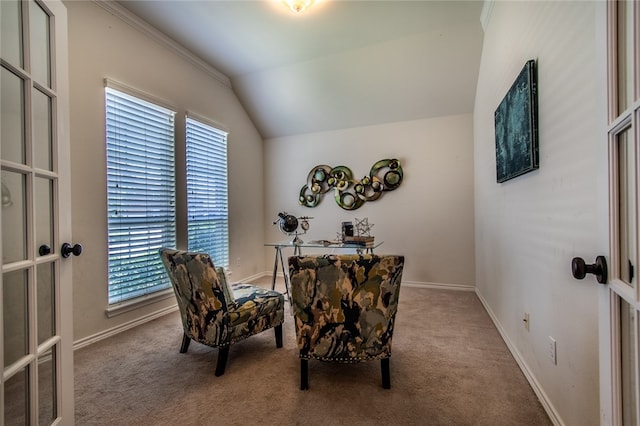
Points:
(542, 396)
(86, 341)
(252, 277)
(438, 286)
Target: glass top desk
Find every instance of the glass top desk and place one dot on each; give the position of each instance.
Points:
(297, 251)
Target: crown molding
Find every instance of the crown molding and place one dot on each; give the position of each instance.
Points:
(155, 34)
(485, 15)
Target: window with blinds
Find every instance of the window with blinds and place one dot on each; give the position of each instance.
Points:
(207, 206)
(141, 194)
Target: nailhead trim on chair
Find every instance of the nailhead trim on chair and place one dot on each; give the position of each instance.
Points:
(346, 360)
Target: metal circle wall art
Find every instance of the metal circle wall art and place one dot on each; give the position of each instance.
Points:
(349, 193)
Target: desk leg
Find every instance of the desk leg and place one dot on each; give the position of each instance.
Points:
(275, 270)
(280, 259)
(285, 274)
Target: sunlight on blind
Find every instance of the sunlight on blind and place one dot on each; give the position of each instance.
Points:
(207, 206)
(141, 194)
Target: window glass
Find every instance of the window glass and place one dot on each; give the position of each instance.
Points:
(627, 207)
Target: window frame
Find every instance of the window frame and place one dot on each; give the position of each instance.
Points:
(154, 291)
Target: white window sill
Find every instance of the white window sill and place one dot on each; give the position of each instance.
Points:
(138, 302)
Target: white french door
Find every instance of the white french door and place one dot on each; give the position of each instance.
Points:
(36, 349)
(620, 300)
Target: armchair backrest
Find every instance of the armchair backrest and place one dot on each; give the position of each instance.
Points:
(345, 305)
(200, 295)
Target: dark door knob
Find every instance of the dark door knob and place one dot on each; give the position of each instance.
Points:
(580, 269)
(67, 250)
(44, 250)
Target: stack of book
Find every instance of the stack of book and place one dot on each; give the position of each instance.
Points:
(366, 242)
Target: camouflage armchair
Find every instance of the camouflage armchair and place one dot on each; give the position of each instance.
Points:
(214, 313)
(344, 308)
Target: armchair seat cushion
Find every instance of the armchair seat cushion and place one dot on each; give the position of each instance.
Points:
(255, 309)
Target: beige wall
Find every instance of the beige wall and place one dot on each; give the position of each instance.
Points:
(103, 46)
(528, 229)
(429, 218)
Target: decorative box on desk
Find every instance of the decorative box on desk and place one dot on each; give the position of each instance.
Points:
(320, 244)
(367, 242)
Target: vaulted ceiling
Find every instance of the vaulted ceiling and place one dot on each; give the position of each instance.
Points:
(339, 64)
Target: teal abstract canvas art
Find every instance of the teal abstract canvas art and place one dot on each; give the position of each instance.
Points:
(516, 126)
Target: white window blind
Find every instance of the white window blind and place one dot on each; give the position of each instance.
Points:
(141, 194)
(207, 206)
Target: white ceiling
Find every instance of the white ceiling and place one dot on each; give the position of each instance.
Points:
(340, 64)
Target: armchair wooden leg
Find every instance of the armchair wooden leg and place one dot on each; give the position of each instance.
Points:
(304, 374)
(223, 354)
(185, 343)
(386, 375)
(278, 331)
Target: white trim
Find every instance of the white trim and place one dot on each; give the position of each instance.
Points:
(86, 341)
(141, 94)
(542, 396)
(438, 286)
(163, 39)
(207, 121)
(250, 278)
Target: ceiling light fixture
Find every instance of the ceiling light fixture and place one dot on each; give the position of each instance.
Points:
(298, 6)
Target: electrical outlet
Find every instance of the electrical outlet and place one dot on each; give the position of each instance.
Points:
(553, 354)
(526, 321)
(238, 263)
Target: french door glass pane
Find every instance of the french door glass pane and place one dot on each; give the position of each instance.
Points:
(627, 209)
(628, 362)
(12, 117)
(47, 388)
(44, 211)
(14, 213)
(11, 41)
(15, 316)
(625, 54)
(42, 130)
(16, 390)
(40, 44)
(46, 311)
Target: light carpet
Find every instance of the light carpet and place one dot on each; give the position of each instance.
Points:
(449, 366)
